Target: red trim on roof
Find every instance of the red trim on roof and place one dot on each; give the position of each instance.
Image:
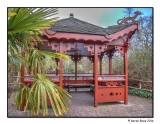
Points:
(88, 37)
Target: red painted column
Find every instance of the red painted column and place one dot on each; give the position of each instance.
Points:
(93, 68)
(75, 70)
(57, 67)
(61, 66)
(95, 76)
(126, 75)
(110, 64)
(22, 81)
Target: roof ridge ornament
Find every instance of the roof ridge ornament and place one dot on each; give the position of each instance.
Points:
(125, 20)
(71, 15)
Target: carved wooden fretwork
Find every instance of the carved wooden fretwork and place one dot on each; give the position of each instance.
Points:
(54, 45)
(120, 49)
(111, 83)
(65, 46)
(90, 48)
(110, 53)
(44, 46)
(91, 58)
(76, 58)
(100, 48)
(66, 78)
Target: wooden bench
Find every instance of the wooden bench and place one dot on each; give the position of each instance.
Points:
(69, 86)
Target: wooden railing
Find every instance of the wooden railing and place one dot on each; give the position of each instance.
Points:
(139, 84)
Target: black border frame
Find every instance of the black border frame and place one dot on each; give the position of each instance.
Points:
(91, 117)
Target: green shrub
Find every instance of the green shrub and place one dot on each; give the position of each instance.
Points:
(139, 92)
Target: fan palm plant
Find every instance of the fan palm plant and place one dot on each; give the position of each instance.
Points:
(24, 25)
(41, 93)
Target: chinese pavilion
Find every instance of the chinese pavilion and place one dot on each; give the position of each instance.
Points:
(78, 39)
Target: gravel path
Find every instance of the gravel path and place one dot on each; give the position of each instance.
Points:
(83, 106)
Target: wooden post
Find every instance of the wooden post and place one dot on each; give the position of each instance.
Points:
(140, 85)
(75, 70)
(93, 69)
(126, 75)
(100, 65)
(61, 66)
(22, 81)
(57, 66)
(110, 64)
(95, 75)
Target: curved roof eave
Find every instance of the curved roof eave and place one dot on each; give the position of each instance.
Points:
(89, 37)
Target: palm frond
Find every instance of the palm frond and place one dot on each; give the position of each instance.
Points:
(16, 59)
(42, 92)
(28, 19)
(45, 59)
(24, 26)
(20, 95)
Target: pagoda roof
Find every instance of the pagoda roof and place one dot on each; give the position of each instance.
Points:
(74, 25)
(73, 29)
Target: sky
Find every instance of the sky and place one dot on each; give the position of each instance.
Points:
(99, 16)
